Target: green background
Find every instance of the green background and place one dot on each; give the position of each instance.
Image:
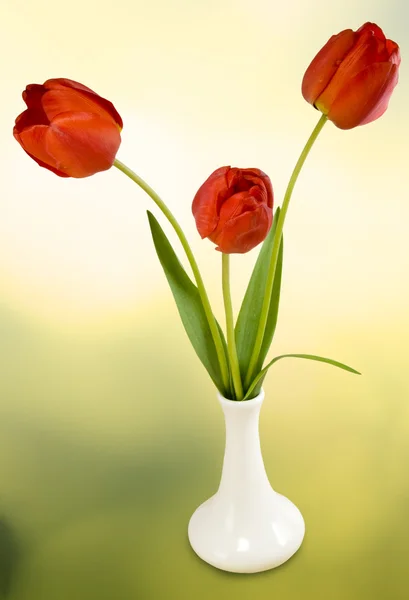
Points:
(110, 431)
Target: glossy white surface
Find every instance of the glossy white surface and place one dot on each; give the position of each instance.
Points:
(246, 526)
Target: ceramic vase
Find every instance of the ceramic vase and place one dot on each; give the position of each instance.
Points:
(246, 527)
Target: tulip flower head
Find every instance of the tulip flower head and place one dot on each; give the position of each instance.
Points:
(353, 76)
(234, 209)
(68, 129)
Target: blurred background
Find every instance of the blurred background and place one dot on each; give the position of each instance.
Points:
(110, 431)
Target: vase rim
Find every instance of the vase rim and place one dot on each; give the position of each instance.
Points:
(243, 403)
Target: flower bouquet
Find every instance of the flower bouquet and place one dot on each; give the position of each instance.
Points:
(73, 132)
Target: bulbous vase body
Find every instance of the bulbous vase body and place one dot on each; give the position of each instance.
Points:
(246, 526)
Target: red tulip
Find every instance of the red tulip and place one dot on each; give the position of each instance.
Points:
(234, 209)
(68, 129)
(352, 77)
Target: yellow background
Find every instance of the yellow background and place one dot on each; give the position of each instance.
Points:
(110, 432)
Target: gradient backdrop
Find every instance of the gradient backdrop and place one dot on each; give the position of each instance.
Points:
(110, 432)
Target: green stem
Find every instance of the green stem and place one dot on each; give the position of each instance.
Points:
(231, 342)
(195, 269)
(274, 253)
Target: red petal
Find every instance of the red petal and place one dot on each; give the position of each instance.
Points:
(28, 118)
(32, 95)
(86, 92)
(63, 83)
(56, 102)
(34, 115)
(33, 141)
(206, 203)
(384, 96)
(394, 52)
(231, 208)
(326, 63)
(82, 144)
(245, 232)
(373, 29)
(258, 178)
(364, 53)
(366, 97)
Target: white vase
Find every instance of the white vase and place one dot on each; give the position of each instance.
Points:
(246, 526)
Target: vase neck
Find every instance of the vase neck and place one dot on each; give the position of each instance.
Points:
(243, 462)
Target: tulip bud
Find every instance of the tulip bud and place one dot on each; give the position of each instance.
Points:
(352, 77)
(68, 129)
(234, 209)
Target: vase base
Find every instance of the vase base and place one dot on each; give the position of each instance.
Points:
(264, 538)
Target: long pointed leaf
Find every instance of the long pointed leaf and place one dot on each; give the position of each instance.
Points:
(255, 387)
(249, 315)
(273, 312)
(189, 304)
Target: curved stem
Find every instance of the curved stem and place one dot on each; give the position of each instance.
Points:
(231, 342)
(195, 269)
(275, 250)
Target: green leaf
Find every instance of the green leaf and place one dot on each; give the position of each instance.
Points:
(273, 311)
(255, 387)
(189, 304)
(249, 315)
